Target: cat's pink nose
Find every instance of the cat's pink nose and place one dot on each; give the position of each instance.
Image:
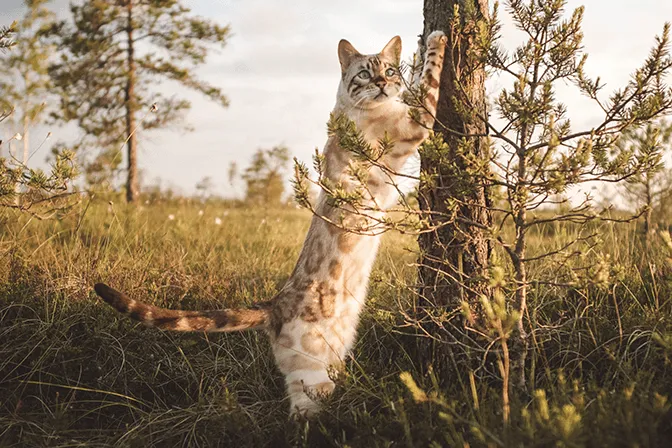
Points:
(380, 82)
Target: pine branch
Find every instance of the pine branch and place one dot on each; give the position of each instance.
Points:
(6, 34)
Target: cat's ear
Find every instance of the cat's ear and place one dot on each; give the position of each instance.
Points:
(346, 53)
(392, 50)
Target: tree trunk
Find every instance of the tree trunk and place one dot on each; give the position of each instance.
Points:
(26, 150)
(26, 138)
(519, 339)
(132, 187)
(454, 258)
(649, 210)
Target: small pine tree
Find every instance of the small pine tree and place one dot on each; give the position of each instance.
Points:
(538, 153)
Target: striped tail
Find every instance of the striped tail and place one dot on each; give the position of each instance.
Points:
(253, 318)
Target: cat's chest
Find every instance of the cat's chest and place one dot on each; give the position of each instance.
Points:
(380, 124)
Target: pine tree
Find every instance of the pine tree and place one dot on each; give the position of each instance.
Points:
(24, 81)
(539, 154)
(113, 54)
(6, 33)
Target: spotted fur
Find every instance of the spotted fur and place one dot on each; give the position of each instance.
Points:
(312, 321)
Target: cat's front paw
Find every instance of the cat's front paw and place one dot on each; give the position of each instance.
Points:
(436, 39)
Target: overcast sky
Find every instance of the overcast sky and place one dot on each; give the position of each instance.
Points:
(280, 71)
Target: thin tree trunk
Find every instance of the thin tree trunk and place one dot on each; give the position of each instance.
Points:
(14, 152)
(26, 151)
(649, 211)
(26, 138)
(454, 258)
(519, 340)
(132, 187)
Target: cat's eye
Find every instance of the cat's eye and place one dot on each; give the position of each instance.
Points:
(390, 72)
(364, 74)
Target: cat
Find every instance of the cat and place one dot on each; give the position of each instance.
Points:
(312, 321)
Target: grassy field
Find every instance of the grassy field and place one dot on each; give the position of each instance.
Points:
(73, 373)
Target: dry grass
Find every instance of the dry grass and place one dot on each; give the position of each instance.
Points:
(72, 373)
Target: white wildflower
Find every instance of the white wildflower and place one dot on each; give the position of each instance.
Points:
(171, 217)
(218, 221)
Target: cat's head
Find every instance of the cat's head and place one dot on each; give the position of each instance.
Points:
(369, 80)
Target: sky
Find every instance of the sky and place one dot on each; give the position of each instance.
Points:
(280, 72)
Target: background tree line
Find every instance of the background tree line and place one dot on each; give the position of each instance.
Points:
(100, 69)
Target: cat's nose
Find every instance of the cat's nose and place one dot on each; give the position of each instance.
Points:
(380, 82)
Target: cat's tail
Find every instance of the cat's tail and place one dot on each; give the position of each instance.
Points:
(252, 318)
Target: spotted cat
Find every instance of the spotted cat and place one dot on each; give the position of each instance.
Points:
(312, 320)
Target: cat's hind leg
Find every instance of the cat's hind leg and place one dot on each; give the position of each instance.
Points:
(304, 357)
(306, 388)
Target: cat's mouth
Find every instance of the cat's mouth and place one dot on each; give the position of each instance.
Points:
(381, 94)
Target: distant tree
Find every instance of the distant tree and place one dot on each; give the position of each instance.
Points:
(232, 173)
(264, 178)
(113, 55)
(24, 80)
(205, 187)
(648, 188)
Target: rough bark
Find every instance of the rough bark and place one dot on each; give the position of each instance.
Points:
(132, 186)
(454, 258)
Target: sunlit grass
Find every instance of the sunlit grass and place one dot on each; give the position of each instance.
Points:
(74, 373)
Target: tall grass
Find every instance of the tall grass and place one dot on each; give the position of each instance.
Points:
(74, 373)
